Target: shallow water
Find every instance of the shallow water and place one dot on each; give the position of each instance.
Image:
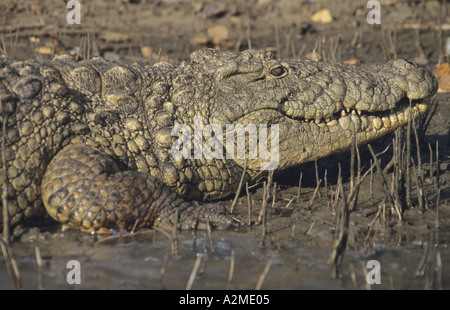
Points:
(144, 261)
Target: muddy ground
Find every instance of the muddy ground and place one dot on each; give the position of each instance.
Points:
(296, 242)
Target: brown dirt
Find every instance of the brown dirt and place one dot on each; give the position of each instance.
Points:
(299, 239)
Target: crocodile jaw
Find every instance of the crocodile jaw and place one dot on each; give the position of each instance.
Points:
(317, 106)
(303, 140)
(337, 135)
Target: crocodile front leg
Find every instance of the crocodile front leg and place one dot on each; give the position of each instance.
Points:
(85, 188)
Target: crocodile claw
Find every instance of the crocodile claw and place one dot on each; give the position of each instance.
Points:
(200, 216)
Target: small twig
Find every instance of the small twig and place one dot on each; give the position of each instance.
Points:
(372, 223)
(238, 191)
(293, 50)
(163, 270)
(417, 43)
(274, 194)
(308, 231)
(5, 181)
(419, 160)
(289, 203)
(424, 125)
(352, 160)
(438, 188)
(393, 197)
(264, 274)
(418, 187)
(371, 180)
(211, 243)
(352, 197)
(269, 184)
(301, 51)
(358, 163)
(175, 233)
(134, 226)
(36, 8)
(230, 273)
(431, 166)
(39, 262)
(249, 31)
(408, 162)
(437, 166)
(334, 49)
(11, 265)
(299, 185)
(439, 271)
(334, 203)
(393, 42)
(249, 204)
(194, 271)
(427, 264)
(81, 53)
(159, 55)
(263, 205)
(277, 36)
(354, 189)
(173, 242)
(340, 243)
(88, 47)
(194, 240)
(318, 180)
(353, 275)
(316, 190)
(263, 215)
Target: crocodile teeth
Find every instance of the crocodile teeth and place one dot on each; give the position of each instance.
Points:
(345, 122)
(356, 121)
(350, 118)
(386, 121)
(422, 107)
(393, 119)
(377, 123)
(401, 117)
(364, 123)
(332, 123)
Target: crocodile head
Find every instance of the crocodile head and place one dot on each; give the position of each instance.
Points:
(317, 106)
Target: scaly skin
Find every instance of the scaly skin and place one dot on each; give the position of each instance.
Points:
(91, 141)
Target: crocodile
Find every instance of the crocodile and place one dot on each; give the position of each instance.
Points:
(91, 143)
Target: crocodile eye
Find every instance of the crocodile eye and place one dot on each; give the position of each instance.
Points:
(278, 71)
